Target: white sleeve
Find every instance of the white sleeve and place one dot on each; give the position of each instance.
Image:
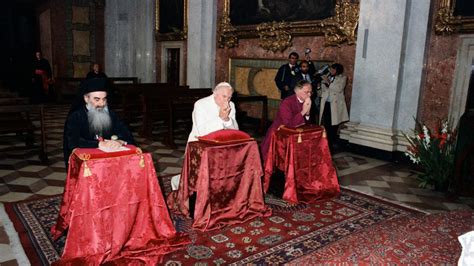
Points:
(232, 123)
(206, 121)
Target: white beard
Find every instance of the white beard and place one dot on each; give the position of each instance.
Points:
(99, 119)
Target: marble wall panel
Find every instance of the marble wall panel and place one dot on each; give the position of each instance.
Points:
(81, 69)
(439, 77)
(80, 14)
(81, 42)
(129, 39)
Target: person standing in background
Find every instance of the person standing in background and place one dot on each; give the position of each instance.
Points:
(96, 72)
(333, 103)
(41, 78)
(306, 72)
(286, 74)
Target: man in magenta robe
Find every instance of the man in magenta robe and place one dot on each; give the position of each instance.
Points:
(293, 112)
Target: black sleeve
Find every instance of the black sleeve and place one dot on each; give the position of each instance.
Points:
(72, 133)
(280, 78)
(72, 136)
(312, 69)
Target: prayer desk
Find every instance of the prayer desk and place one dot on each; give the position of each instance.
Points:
(227, 181)
(114, 211)
(303, 155)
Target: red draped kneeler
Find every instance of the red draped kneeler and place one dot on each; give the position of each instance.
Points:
(224, 171)
(114, 211)
(303, 155)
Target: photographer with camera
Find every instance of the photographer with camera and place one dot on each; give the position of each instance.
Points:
(333, 102)
(286, 75)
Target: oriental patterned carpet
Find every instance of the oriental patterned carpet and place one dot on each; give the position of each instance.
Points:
(351, 228)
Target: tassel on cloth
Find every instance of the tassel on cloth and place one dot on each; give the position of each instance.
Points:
(85, 157)
(299, 135)
(141, 163)
(87, 170)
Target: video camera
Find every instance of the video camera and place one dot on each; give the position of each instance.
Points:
(323, 70)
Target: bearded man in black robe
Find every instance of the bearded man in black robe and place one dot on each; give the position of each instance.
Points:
(92, 125)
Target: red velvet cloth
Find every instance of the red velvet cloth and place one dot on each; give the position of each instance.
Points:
(227, 180)
(114, 211)
(303, 155)
(225, 136)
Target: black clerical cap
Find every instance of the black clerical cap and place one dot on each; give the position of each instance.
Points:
(91, 85)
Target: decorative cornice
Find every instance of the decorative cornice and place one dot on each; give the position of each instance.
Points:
(227, 34)
(447, 23)
(274, 36)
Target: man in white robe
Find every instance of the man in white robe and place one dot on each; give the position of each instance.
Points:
(212, 113)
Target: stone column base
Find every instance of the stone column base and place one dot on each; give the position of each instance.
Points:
(378, 138)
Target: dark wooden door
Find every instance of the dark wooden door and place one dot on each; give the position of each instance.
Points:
(172, 67)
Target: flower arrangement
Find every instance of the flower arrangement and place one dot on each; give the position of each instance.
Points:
(434, 151)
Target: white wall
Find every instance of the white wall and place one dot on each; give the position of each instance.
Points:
(129, 39)
(202, 17)
(388, 71)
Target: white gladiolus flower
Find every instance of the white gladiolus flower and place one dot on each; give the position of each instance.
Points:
(426, 134)
(445, 127)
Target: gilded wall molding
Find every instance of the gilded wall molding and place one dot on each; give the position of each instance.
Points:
(447, 23)
(172, 36)
(227, 34)
(276, 36)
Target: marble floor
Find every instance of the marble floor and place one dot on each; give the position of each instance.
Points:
(23, 176)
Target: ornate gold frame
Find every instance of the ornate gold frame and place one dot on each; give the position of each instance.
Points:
(447, 23)
(277, 36)
(173, 36)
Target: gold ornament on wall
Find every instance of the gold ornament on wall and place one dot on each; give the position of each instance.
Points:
(274, 36)
(227, 36)
(447, 22)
